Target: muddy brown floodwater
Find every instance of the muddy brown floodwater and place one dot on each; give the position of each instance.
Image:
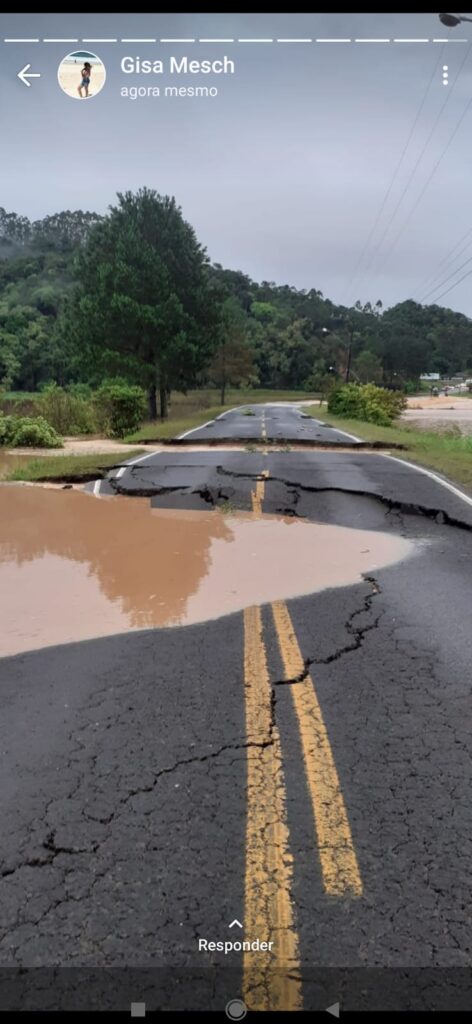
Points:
(73, 567)
(8, 461)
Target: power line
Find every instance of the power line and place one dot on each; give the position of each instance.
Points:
(469, 272)
(447, 279)
(395, 173)
(429, 179)
(416, 165)
(448, 259)
(445, 258)
(435, 281)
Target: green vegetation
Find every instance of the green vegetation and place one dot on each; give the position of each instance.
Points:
(28, 432)
(366, 402)
(174, 427)
(144, 306)
(19, 396)
(69, 411)
(69, 468)
(133, 293)
(254, 396)
(448, 453)
(120, 407)
(36, 277)
(233, 361)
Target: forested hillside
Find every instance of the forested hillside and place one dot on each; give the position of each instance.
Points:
(296, 337)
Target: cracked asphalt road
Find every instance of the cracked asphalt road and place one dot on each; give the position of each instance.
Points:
(280, 420)
(127, 761)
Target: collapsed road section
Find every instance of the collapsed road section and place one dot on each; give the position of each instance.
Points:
(305, 759)
(210, 479)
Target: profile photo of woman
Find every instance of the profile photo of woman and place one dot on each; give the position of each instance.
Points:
(86, 74)
(81, 63)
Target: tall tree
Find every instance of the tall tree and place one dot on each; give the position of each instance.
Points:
(145, 305)
(368, 367)
(233, 361)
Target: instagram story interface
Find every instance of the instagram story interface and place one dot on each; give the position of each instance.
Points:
(236, 513)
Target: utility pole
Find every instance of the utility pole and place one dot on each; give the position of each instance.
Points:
(349, 353)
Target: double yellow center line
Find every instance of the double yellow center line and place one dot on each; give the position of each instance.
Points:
(338, 860)
(273, 982)
(269, 983)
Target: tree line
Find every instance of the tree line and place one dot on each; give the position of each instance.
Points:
(134, 294)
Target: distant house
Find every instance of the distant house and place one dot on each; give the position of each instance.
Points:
(430, 376)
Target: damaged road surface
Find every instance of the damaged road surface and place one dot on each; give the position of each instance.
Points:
(302, 764)
(281, 421)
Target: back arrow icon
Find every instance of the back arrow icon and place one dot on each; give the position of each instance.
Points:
(23, 75)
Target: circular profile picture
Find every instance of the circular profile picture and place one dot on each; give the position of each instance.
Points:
(81, 75)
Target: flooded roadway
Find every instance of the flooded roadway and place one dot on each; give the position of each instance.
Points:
(303, 765)
(73, 568)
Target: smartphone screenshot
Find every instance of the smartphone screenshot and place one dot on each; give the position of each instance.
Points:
(236, 514)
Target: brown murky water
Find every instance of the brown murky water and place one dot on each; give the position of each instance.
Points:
(73, 567)
(8, 461)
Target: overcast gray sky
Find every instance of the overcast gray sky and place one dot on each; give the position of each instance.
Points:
(283, 174)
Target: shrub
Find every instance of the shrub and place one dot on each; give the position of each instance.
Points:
(68, 412)
(120, 407)
(28, 432)
(7, 425)
(80, 390)
(366, 402)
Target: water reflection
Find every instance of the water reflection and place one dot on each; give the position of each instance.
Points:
(74, 567)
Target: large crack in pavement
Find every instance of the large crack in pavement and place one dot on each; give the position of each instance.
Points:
(274, 442)
(53, 850)
(358, 634)
(146, 489)
(437, 515)
(213, 496)
(351, 640)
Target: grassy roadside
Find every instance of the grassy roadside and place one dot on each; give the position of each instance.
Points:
(70, 468)
(447, 453)
(173, 427)
(20, 396)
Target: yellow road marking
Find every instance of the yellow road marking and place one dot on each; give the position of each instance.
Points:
(338, 859)
(257, 498)
(271, 980)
